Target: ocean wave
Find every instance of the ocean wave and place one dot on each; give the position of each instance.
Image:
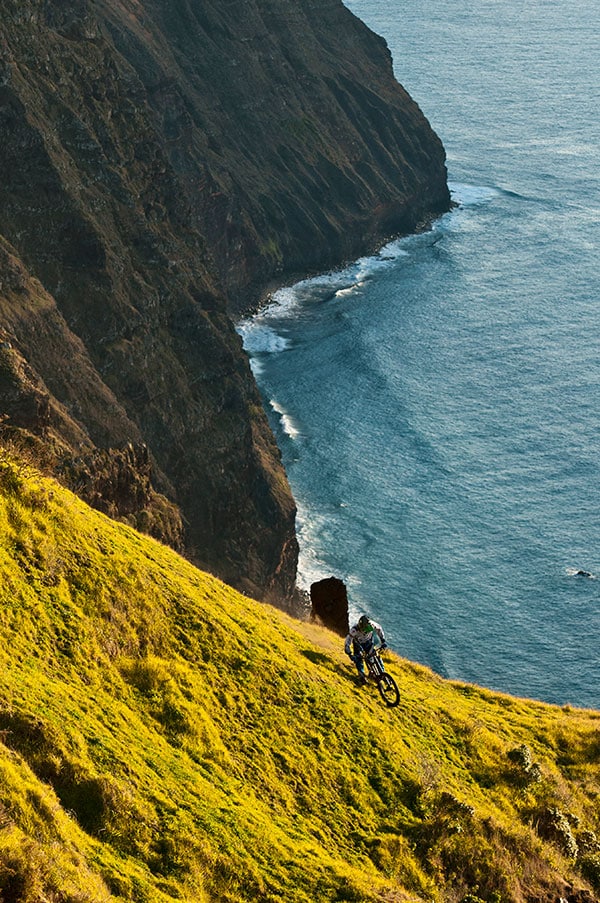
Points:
(257, 367)
(337, 284)
(310, 567)
(472, 195)
(260, 338)
(311, 528)
(261, 333)
(341, 292)
(288, 424)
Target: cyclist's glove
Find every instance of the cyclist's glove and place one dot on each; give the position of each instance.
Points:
(384, 646)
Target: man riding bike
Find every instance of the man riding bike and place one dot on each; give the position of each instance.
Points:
(360, 641)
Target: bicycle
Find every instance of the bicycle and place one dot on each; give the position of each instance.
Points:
(387, 686)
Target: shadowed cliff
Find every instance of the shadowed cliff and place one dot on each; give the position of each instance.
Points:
(161, 166)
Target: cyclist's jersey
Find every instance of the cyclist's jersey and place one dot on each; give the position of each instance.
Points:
(364, 638)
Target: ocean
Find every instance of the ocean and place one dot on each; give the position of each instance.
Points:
(437, 404)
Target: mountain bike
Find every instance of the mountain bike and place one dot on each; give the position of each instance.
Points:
(386, 684)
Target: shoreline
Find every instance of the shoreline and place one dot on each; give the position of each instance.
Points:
(370, 249)
(299, 605)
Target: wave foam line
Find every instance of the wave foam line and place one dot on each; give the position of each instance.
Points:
(287, 423)
(472, 195)
(259, 338)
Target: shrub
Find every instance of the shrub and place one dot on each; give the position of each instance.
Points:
(19, 876)
(552, 824)
(520, 757)
(589, 865)
(587, 842)
(478, 858)
(448, 816)
(11, 479)
(525, 770)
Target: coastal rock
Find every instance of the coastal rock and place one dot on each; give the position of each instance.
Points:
(162, 167)
(329, 600)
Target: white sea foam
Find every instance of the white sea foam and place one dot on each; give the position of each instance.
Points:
(350, 290)
(284, 300)
(394, 249)
(288, 424)
(472, 195)
(310, 567)
(368, 267)
(310, 529)
(257, 367)
(578, 572)
(337, 284)
(259, 338)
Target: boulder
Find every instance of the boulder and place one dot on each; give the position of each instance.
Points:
(329, 601)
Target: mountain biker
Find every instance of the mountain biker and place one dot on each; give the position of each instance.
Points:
(359, 643)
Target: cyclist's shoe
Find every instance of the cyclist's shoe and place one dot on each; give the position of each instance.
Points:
(362, 679)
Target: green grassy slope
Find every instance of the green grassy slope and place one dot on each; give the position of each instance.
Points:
(163, 737)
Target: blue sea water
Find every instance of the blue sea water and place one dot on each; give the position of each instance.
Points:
(437, 404)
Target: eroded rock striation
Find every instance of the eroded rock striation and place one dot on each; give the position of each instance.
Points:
(161, 164)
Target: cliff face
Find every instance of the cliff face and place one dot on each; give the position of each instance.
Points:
(161, 165)
(294, 144)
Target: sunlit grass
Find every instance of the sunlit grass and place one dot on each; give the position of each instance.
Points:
(164, 737)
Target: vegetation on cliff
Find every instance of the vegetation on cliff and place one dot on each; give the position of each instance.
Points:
(163, 737)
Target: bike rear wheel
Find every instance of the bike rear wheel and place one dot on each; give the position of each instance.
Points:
(388, 688)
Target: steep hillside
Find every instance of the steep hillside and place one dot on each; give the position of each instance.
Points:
(163, 737)
(162, 163)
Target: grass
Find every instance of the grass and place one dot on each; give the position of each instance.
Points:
(163, 737)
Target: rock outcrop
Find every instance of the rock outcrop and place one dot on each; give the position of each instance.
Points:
(162, 165)
(329, 604)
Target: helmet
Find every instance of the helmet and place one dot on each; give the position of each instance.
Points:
(364, 623)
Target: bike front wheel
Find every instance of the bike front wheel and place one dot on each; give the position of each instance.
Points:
(388, 688)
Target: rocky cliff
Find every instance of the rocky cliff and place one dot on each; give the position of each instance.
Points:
(161, 164)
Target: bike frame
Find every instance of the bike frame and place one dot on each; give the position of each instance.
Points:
(375, 663)
(387, 686)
